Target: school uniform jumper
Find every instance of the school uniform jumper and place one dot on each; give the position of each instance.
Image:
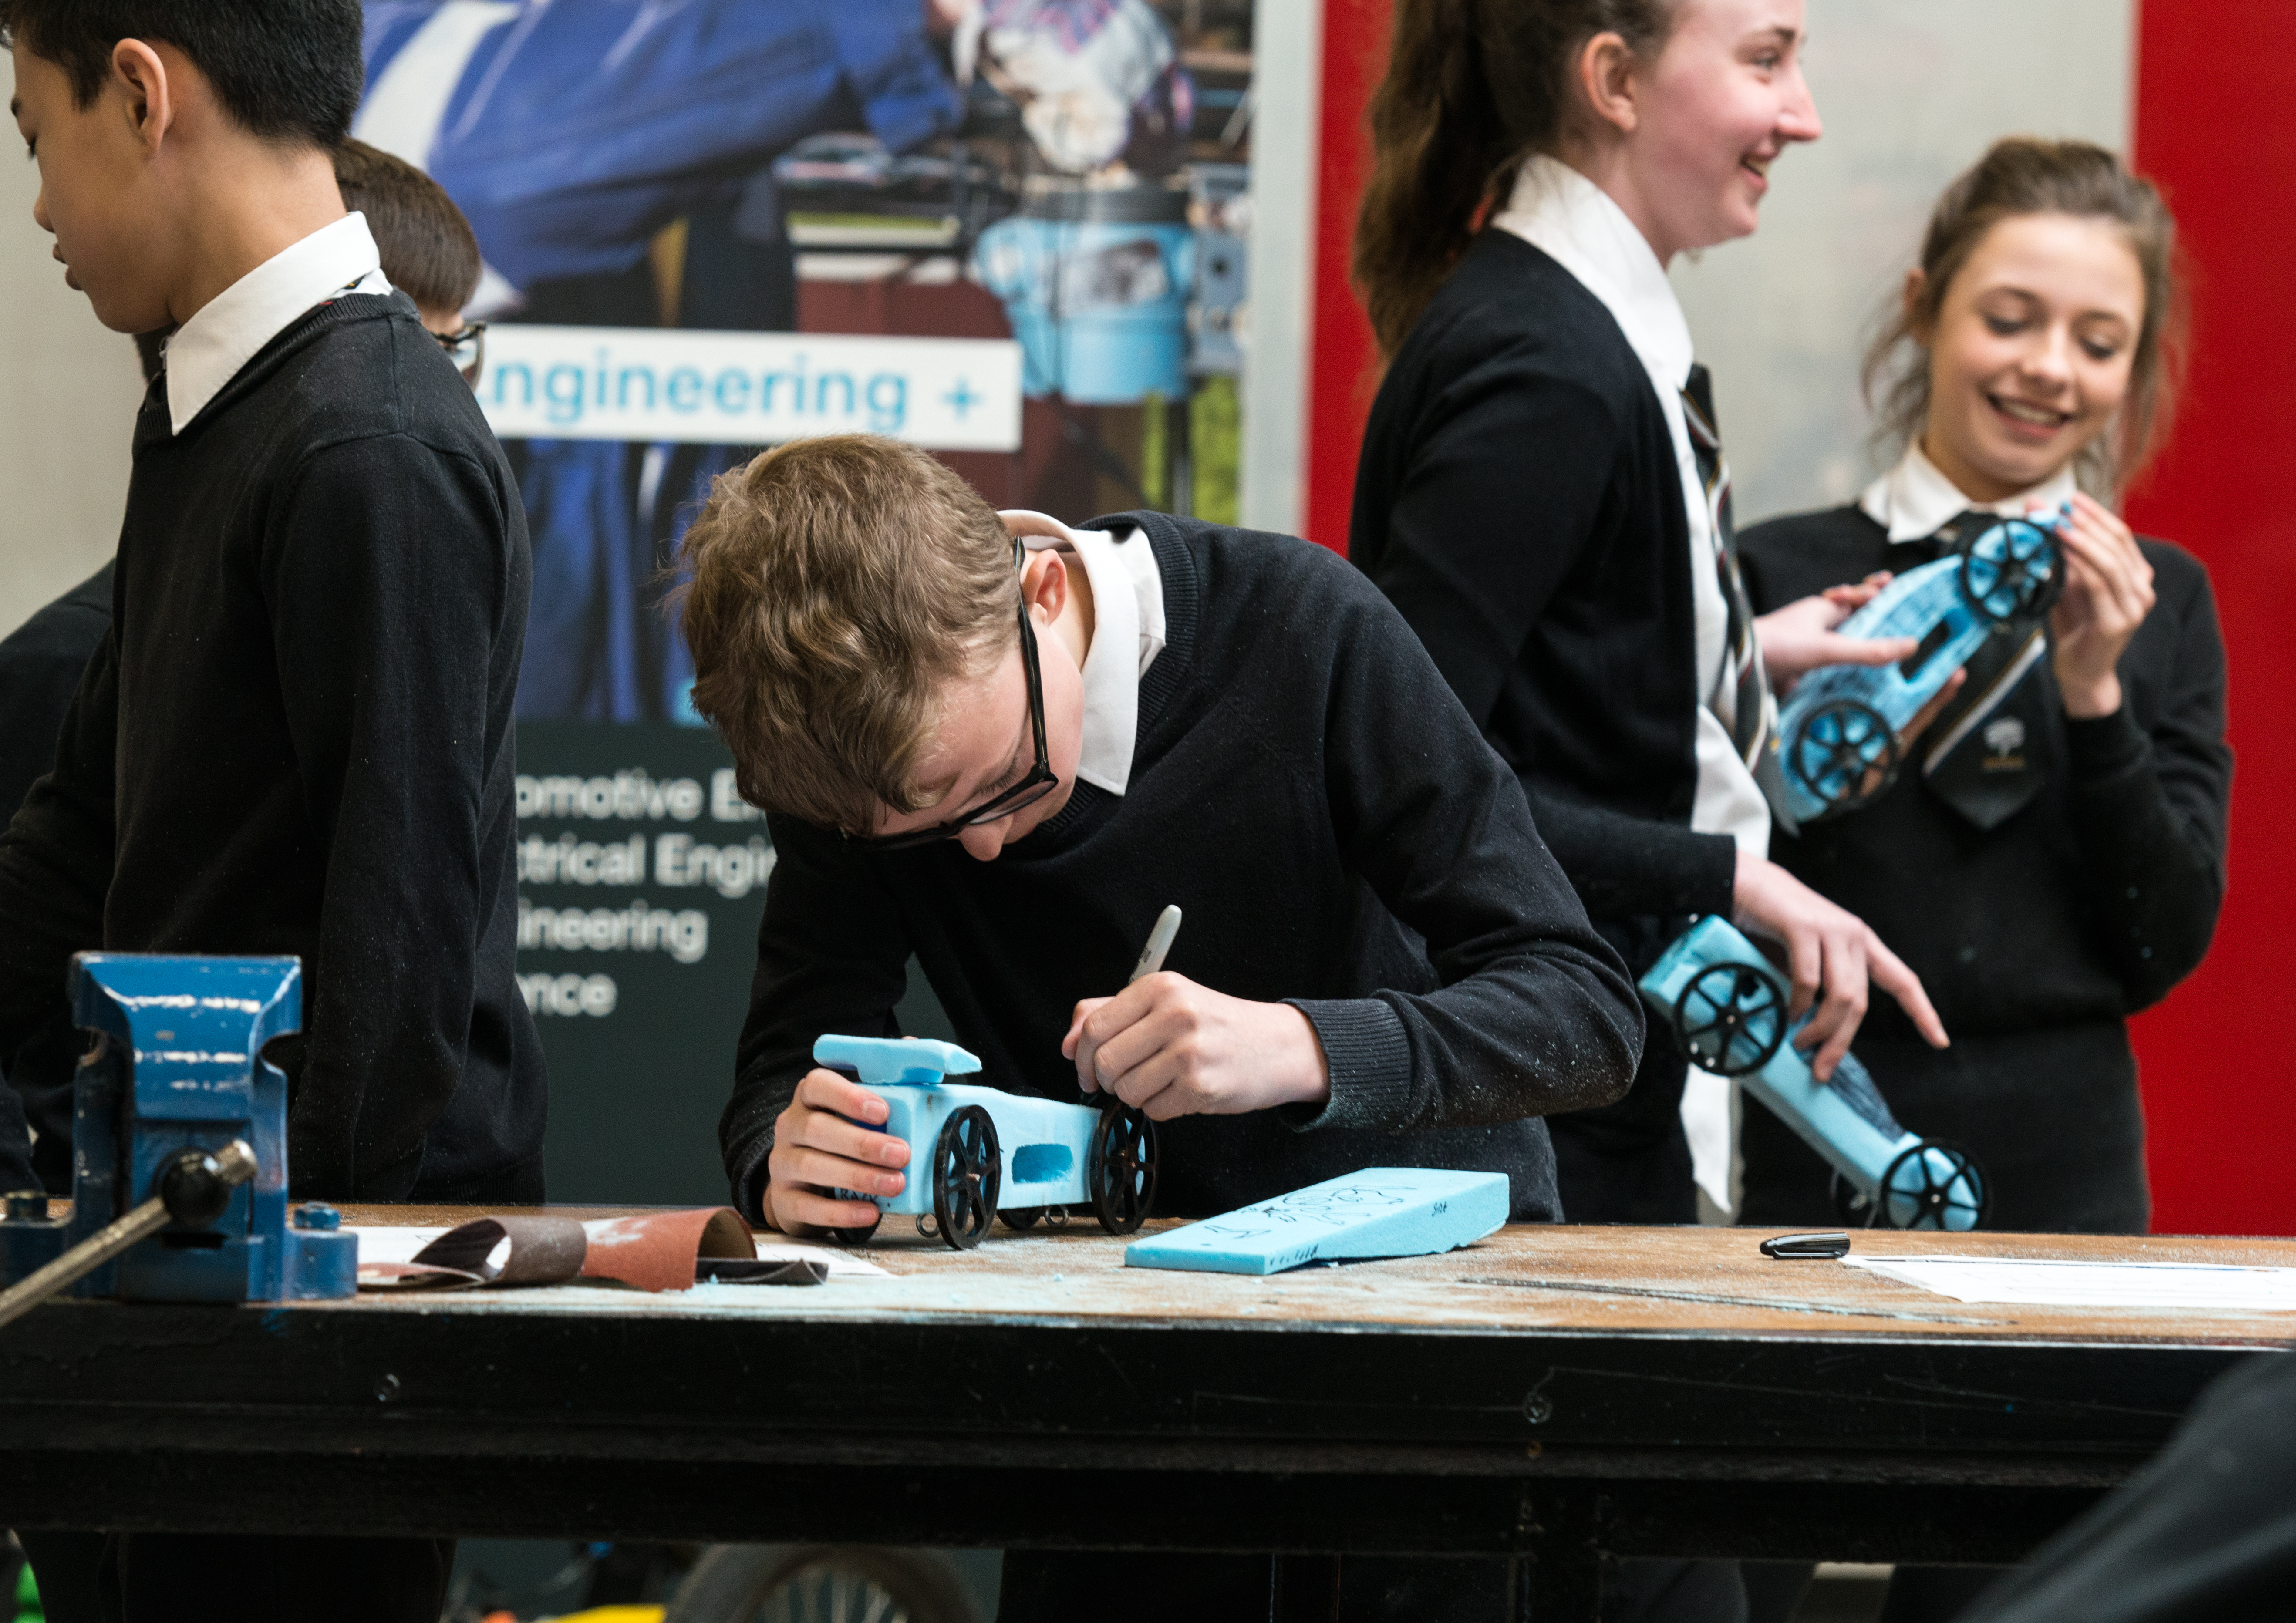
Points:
(2038, 937)
(296, 735)
(1523, 499)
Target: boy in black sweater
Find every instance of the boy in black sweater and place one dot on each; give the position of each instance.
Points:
(1004, 746)
(429, 254)
(296, 735)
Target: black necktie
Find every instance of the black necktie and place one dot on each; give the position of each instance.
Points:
(1754, 721)
(1987, 753)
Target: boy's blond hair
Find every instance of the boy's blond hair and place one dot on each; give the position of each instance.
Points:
(832, 586)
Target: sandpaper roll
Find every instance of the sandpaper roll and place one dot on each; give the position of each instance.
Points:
(661, 1250)
(512, 1250)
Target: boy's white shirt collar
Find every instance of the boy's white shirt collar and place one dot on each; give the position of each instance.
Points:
(228, 332)
(1914, 500)
(1127, 634)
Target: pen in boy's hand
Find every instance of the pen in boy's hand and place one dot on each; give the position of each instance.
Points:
(1160, 942)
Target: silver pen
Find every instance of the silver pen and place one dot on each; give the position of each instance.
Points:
(1160, 942)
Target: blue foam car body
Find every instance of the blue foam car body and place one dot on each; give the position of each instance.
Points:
(1839, 736)
(976, 1152)
(1727, 1007)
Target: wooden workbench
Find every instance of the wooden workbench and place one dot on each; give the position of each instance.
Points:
(1552, 1392)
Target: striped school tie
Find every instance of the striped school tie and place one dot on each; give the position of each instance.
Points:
(1753, 722)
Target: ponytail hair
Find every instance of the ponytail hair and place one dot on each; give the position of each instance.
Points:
(2022, 176)
(1472, 87)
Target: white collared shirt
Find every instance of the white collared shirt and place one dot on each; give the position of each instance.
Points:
(1127, 634)
(1571, 220)
(226, 332)
(1914, 500)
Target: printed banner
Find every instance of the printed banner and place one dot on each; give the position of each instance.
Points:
(665, 386)
(714, 226)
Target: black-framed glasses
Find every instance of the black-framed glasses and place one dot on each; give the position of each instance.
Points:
(467, 350)
(1039, 782)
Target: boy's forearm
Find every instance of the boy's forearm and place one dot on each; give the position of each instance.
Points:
(831, 956)
(1535, 1013)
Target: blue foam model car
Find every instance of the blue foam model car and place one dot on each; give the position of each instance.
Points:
(1839, 733)
(1727, 1008)
(978, 1152)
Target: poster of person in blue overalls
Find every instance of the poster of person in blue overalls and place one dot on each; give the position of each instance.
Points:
(1011, 231)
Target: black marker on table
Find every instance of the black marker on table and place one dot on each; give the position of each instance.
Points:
(1807, 1248)
(1160, 942)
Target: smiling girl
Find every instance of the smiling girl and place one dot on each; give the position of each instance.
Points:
(2052, 859)
(1541, 495)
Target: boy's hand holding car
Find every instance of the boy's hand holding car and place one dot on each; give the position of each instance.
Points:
(826, 1140)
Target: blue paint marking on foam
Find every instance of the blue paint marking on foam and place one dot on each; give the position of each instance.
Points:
(1381, 1211)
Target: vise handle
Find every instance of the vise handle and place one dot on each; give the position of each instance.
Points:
(194, 1188)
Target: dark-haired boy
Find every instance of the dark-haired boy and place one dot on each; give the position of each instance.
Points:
(296, 736)
(429, 254)
(1004, 746)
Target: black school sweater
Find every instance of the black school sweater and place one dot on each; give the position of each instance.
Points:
(2089, 904)
(1311, 794)
(1518, 499)
(296, 738)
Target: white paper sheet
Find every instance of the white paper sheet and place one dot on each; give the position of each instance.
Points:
(2093, 1284)
(390, 1244)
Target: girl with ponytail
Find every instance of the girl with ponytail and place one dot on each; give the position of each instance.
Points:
(1542, 493)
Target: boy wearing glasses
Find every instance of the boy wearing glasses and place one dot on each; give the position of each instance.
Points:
(1005, 746)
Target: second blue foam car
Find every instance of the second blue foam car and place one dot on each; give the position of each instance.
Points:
(1727, 1008)
(1837, 736)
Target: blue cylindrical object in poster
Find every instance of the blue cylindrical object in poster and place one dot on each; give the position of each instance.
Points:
(1095, 281)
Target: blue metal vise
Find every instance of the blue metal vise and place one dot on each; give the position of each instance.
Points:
(177, 1065)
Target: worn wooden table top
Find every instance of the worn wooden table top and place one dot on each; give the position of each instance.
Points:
(1706, 1281)
(1555, 1392)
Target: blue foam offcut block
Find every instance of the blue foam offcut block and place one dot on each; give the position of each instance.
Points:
(1381, 1211)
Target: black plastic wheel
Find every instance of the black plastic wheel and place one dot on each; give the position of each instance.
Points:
(1916, 1193)
(1730, 1018)
(851, 1236)
(966, 1169)
(1120, 1168)
(2012, 570)
(1845, 754)
(1020, 1216)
